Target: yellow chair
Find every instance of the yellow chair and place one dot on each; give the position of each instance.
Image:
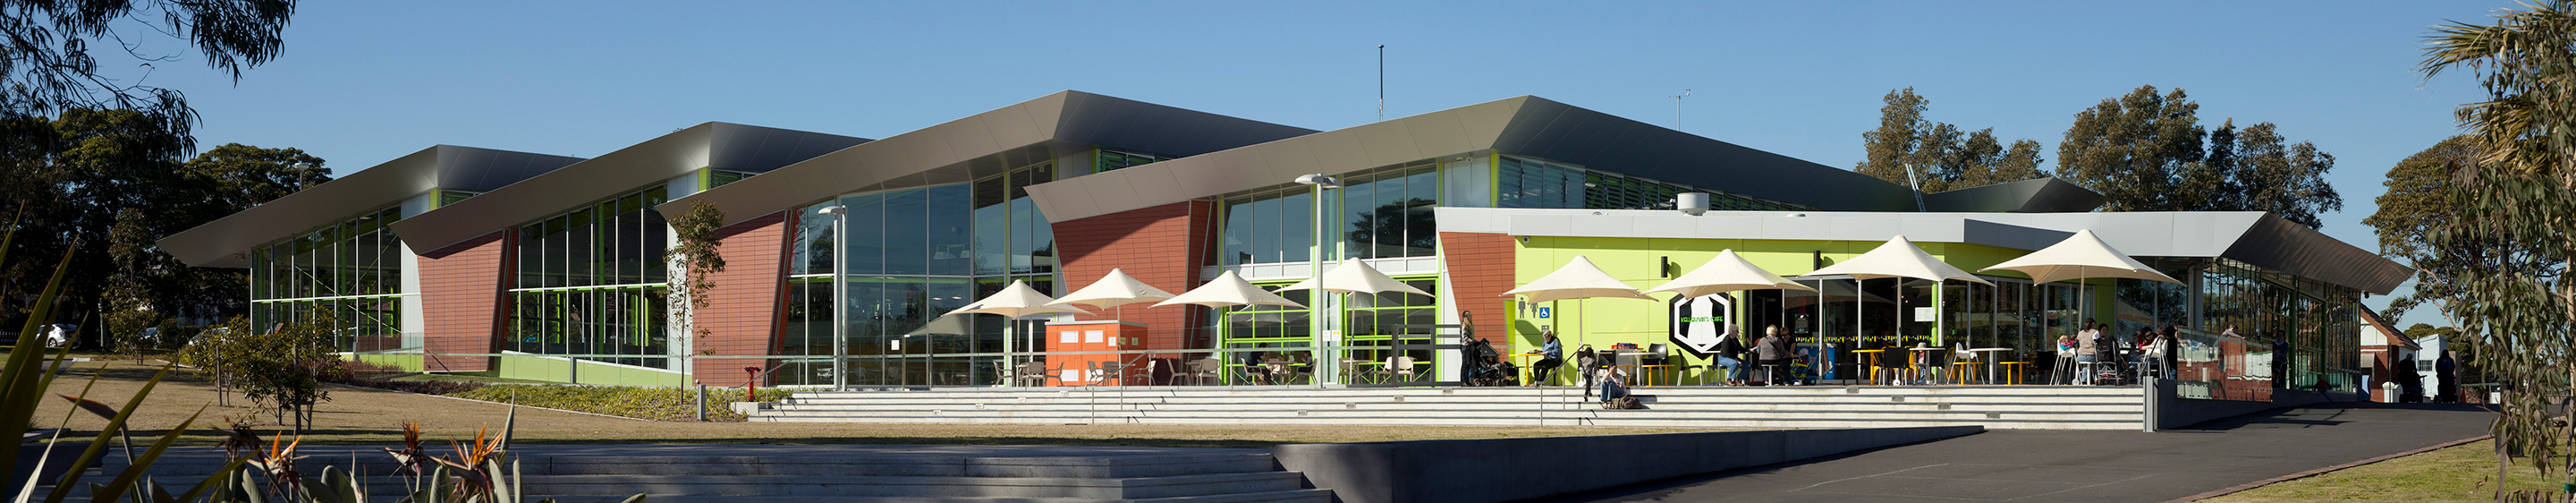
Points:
(1961, 371)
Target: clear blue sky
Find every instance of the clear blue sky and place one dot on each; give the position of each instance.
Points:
(361, 83)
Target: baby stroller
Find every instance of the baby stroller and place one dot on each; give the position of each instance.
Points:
(1485, 367)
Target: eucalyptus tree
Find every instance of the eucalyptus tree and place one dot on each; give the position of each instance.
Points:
(2519, 198)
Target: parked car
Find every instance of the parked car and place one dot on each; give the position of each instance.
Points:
(59, 334)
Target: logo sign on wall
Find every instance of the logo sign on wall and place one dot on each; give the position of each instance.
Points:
(1699, 323)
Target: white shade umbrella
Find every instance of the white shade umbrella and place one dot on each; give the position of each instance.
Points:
(1727, 273)
(2081, 256)
(1016, 301)
(1579, 279)
(1898, 258)
(1352, 276)
(1113, 290)
(1228, 290)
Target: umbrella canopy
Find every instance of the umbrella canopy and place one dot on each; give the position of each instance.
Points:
(1016, 301)
(1726, 273)
(1352, 276)
(1113, 290)
(1228, 290)
(2083, 255)
(1579, 279)
(1834, 291)
(1898, 258)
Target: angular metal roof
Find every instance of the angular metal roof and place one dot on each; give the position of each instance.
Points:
(2037, 195)
(726, 146)
(2251, 237)
(1525, 125)
(227, 241)
(987, 144)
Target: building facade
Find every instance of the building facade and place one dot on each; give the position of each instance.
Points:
(844, 254)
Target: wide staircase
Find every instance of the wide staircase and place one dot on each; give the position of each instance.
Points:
(2034, 407)
(835, 473)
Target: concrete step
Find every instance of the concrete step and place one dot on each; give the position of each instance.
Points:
(1879, 404)
(916, 486)
(942, 466)
(1553, 420)
(1288, 496)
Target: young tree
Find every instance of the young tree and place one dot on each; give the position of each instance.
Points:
(697, 258)
(129, 293)
(2518, 199)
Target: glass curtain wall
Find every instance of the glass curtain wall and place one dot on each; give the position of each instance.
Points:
(908, 256)
(2303, 327)
(1531, 183)
(350, 272)
(592, 284)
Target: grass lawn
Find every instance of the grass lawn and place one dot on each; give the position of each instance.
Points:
(368, 416)
(2465, 472)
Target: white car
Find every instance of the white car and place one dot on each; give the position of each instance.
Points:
(59, 335)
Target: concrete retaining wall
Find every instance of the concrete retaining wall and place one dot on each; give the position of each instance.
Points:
(2176, 412)
(1507, 469)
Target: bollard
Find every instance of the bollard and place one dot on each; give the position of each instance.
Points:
(702, 402)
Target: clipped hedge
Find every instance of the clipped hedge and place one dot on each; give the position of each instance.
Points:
(661, 404)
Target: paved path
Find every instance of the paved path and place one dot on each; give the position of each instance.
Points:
(2032, 465)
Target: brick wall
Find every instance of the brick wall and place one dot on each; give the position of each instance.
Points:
(1162, 246)
(1480, 270)
(461, 291)
(745, 314)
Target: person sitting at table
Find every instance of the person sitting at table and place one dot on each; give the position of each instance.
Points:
(1774, 353)
(1551, 356)
(1729, 359)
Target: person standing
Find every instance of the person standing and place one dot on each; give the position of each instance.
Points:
(1551, 356)
(2088, 345)
(1729, 359)
(1774, 353)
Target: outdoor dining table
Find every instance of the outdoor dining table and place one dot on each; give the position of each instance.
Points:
(1521, 364)
(1872, 356)
(1993, 359)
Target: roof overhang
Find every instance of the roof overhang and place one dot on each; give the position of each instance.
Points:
(987, 144)
(2251, 237)
(1526, 125)
(226, 242)
(718, 145)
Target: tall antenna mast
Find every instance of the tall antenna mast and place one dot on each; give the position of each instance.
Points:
(1677, 108)
(1381, 82)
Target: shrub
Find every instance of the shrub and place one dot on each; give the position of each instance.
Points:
(662, 404)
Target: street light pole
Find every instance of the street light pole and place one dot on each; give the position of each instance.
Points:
(1315, 268)
(840, 304)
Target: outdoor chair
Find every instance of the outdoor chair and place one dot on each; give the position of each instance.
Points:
(1032, 373)
(1653, 364)
(1400, 367)
(1108, 371)
(1200, 372)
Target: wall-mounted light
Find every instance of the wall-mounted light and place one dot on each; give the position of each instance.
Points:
(1664, 267)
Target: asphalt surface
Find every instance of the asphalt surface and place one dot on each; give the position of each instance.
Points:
(2090, 466)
